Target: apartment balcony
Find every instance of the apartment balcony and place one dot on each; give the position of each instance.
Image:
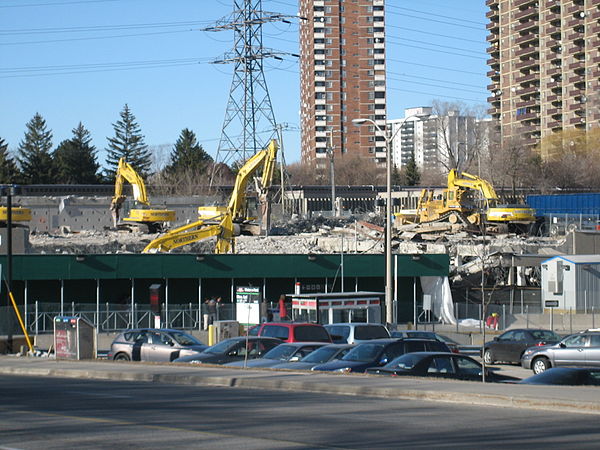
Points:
(533, 115)
(492, 26)
(551, 29)
(492, 38)
(575, 107)
(553, 84)
(518, 3)
(577, 79)
(526, 103)
(594, 15)
(492, 87)
(529, 25)
(576, 36)
(528, 90)
(528, 63)
(553, 71)
(577, 120)
(532, 11)
(493, 74)
(573, 22)
(492, 13)
(527, 51)
(554, 111)
(594, 28)
(554, 124)
(529, 37)
(552, 16)
(529, 77)
(576, 65)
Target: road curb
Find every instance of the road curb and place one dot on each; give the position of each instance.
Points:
(268, 381)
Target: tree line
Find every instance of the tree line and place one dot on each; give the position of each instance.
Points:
(75, 160)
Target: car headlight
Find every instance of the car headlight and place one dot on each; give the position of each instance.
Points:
(529, 352)
(344, 370)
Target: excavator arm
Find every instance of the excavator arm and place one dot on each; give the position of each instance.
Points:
(225, 229)
(466, 180)
(127, 173)
(265, 158)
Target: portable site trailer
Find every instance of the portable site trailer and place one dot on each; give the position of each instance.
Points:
(335, 307)
(571, 282)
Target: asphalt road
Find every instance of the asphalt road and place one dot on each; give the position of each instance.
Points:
(54, 413)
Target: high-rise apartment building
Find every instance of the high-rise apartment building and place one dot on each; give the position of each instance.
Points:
(544, 61)
(342, 75)
(431, 141)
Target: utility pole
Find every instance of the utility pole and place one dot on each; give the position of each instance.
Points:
(249, 110)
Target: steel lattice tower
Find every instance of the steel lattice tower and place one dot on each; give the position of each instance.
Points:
(249, 120)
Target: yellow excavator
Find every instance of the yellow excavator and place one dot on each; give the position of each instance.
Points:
(144, 219)
(226, 222)
(471, 201)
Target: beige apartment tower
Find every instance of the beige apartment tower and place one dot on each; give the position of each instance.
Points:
(342, 76)
(544, 61)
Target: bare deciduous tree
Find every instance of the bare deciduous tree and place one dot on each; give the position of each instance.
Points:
(460, 141)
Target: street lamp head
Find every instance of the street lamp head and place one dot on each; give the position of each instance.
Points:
(422, 116)
(359, 122)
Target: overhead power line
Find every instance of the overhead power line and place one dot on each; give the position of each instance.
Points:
(75, 2)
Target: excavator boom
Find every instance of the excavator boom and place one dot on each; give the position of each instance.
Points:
(222, 225)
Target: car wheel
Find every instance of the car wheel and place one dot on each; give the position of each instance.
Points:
(122, 357)
(540, 365)
(487, 357)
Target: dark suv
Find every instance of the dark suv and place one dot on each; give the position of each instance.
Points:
(295, 332)
(379, 352)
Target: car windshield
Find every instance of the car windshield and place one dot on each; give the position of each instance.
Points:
(221, 347)
(282, 352)
(185, 339)
(321, 355)
(407, 361)
(545, 335)
(364, 352)
(366, 332)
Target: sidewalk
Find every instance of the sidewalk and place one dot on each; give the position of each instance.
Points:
(571, 399)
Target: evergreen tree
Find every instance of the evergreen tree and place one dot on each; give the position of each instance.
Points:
(34, 157)
(413, 177)
(75, 159)
(396, 177)
(128, 142)
(188, 156)
(9, 172)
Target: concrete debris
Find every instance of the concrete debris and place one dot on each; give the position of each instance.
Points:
(320, 234)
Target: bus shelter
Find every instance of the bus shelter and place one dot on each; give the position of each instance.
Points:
(337, 307)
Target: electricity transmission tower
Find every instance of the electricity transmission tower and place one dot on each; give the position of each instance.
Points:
(249, 120)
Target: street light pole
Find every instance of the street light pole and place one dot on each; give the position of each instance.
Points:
(389, 307)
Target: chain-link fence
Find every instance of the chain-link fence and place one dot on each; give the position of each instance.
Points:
(107, 317)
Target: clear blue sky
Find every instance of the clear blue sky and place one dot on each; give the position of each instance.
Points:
(82, 60)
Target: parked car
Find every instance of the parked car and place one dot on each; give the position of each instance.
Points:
(233, 349)
(510, 346)
(295, 332)
(379, 352)
(452, 345)
(581, 349)
(440, 365)
(355, 333)
(566, 376)
(152, 344)
(319, 356)
(285, 352)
